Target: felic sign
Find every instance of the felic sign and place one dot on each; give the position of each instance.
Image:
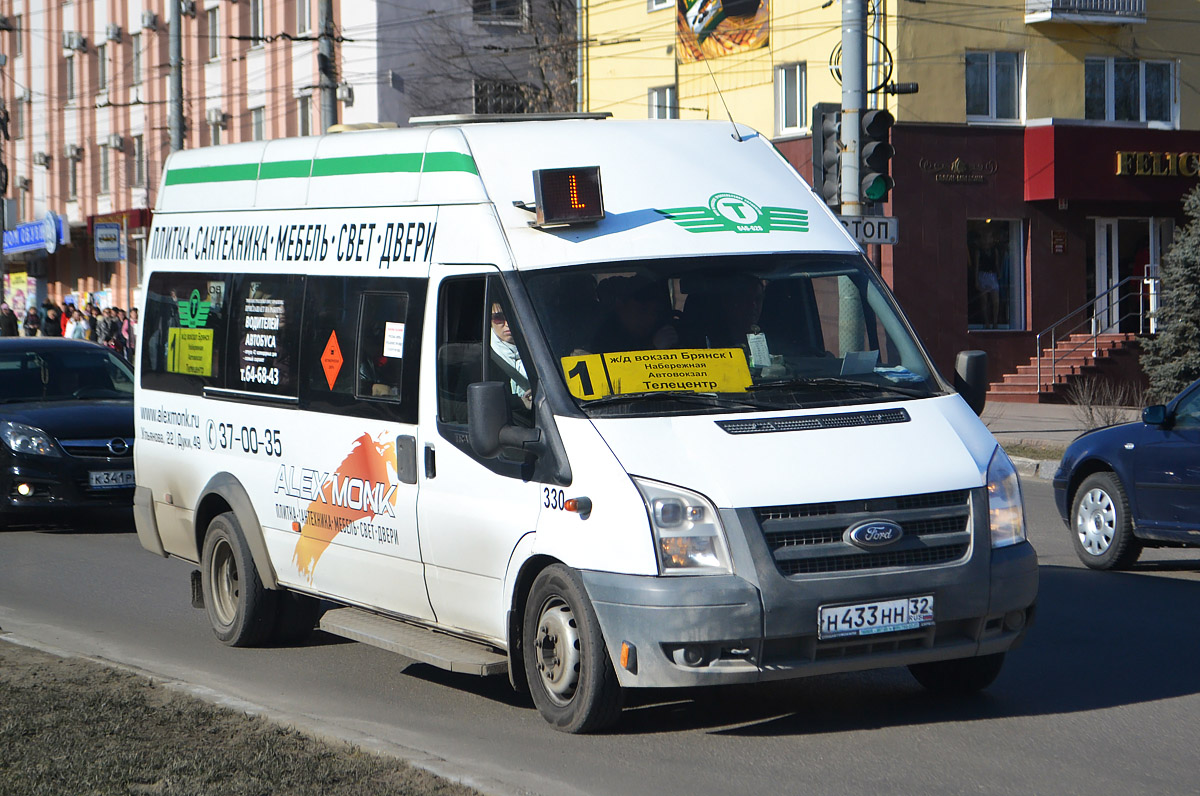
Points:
(1158, 164)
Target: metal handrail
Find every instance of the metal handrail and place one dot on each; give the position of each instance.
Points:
(1091, 304)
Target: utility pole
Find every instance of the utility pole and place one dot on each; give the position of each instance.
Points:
(854, 95)
(175, 33)
(325, 64)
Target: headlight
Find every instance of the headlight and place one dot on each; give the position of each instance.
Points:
(1006, 510)
(27, 439)
(688, 535)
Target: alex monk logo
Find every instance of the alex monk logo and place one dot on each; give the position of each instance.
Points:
(728, 212)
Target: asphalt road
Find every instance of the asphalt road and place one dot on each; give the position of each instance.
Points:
(1102, 699)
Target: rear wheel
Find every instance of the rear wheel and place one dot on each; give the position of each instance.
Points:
(1101, 528)
(960, 676)
(571, 679)
(241, 611)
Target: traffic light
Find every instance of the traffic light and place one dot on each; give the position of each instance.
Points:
(876, 153)
(827, 150)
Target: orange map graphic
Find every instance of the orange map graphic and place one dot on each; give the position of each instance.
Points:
(367, 461)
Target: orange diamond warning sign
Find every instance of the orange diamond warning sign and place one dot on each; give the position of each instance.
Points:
(331, 359)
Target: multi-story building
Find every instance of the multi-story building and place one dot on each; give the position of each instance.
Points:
(1039, 166)
(86, 88)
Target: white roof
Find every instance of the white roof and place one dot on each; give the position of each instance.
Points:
(670, 188)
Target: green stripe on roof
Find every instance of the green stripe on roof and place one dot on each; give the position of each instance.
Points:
(284, 168)
(409, 162)
(238, 171)
(450, 161)
(367, 164)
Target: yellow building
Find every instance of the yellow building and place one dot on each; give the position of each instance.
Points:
(1038, 169)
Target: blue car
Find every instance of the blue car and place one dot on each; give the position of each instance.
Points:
(1124, 488)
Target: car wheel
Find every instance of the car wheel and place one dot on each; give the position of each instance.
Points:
(960, 676)
(1100, 525)
(571, 679)
(241, 611)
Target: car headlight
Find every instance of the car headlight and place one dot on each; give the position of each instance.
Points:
(1006, 510)
(27, 439)
(688, 535)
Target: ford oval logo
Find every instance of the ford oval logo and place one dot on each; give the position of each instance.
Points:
(874, 533)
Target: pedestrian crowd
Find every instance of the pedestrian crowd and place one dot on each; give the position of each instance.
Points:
(111, 327)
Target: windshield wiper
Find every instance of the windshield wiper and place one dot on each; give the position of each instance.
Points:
(683, 396)
(834, 383)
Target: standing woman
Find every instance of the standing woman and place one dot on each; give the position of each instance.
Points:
(33, 322)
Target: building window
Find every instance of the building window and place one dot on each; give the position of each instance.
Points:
(104, 178)
(135, 63)
(258, 124)
(139, 162)
(214, 134)
(790, 86)
(213, 18)
(72, 179)
(304, 115)
(663, 102)
(70, 78)
(995, 278)
(993, 85)
(658, 5)
(101, 67)
(1129, 90)
(18, 117)
(257, 25)
(510, 11)
(497, 96)
(303, 16)
(18, 43)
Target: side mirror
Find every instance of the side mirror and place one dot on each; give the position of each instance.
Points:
(488, 428)
(1155, 415)
(970, 378)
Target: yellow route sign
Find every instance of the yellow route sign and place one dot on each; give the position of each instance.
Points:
(190, 351)
(695, 369)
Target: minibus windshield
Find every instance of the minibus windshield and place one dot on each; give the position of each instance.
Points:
(727, 333)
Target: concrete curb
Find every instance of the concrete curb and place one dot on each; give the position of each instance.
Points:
(1042, 469)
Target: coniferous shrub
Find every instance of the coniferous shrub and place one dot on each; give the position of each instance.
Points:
(1172, 358)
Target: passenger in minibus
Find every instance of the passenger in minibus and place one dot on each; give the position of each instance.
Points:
(638, 317)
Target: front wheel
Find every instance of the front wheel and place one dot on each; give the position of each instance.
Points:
(959, 677)
(241, 611)
(566, 661)
(1101, 528)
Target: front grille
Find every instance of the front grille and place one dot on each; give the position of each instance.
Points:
(812, 538)
(96, 448)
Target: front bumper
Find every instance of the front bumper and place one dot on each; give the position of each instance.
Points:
(62, 494)
(710, 630)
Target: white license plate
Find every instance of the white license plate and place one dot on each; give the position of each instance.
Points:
(104, 479)
(866, 619)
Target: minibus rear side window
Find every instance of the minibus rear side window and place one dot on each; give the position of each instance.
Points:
(264, 349)
(183, 332)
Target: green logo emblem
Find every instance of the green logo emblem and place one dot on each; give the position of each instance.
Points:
(194, 313)
(728, 212)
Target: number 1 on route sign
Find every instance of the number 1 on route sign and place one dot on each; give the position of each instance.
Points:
(586, 378)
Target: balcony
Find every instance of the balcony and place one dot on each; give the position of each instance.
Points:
(1086, 12)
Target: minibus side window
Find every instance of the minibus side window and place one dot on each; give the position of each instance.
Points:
(264, 346)
(183, 332)
(480, 340)
(358, 333)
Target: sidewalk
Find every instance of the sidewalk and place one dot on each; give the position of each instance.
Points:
(1049, 426)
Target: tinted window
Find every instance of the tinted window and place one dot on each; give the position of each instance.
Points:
(63, 375)
(265, 313)
(183, 332)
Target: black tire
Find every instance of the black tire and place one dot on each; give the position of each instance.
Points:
(242, 613)
(296, 618)
(959, 677)
(570, 676)
(1101, 529)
